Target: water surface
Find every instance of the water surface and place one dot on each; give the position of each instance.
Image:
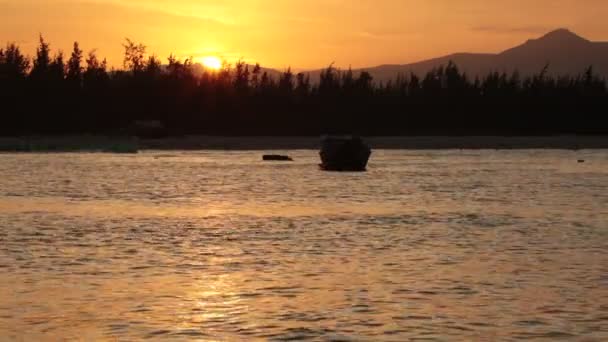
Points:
(440, 245)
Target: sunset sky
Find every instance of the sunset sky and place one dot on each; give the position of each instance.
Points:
(298, 33)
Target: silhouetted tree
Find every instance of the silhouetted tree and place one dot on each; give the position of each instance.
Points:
(329, 81)
(302, 84)
(255, 76)
(286, 82)
(57, 68)
(266, 83)
(13, 64)
(74, 66)
(96, 72)
(153, 67)
(42, 61)
(364, 82)
(134, 58)
(54, 97)
(241, 77)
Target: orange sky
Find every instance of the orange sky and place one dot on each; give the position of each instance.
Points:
(298, 33)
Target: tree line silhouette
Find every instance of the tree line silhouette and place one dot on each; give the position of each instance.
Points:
(49, 95)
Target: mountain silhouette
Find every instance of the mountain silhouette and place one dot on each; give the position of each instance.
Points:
(563, 51)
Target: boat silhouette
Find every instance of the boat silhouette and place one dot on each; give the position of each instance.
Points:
(344, 153)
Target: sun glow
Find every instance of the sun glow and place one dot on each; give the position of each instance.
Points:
(212, 62)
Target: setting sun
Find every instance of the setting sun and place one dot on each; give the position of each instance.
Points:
(212, 62)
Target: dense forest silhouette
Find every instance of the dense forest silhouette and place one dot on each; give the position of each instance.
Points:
(57, 94)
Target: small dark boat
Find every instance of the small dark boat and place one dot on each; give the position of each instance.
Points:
(344, 154)
(276, 157)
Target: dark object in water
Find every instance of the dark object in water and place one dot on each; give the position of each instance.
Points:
(581, 161)
(276, 157)
(344, 154)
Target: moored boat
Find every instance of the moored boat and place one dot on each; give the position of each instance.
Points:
(344, 154)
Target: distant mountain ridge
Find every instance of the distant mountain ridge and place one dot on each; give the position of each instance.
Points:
(565, 52)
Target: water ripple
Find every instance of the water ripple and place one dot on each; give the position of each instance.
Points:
(212, 246)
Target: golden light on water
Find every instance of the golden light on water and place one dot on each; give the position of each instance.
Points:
(211, 62)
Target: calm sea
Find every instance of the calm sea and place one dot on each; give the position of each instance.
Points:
(439, 245)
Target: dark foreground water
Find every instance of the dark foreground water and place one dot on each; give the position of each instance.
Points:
(204, 246)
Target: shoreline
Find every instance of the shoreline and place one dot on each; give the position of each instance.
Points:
(389, 143)
(258, 143)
